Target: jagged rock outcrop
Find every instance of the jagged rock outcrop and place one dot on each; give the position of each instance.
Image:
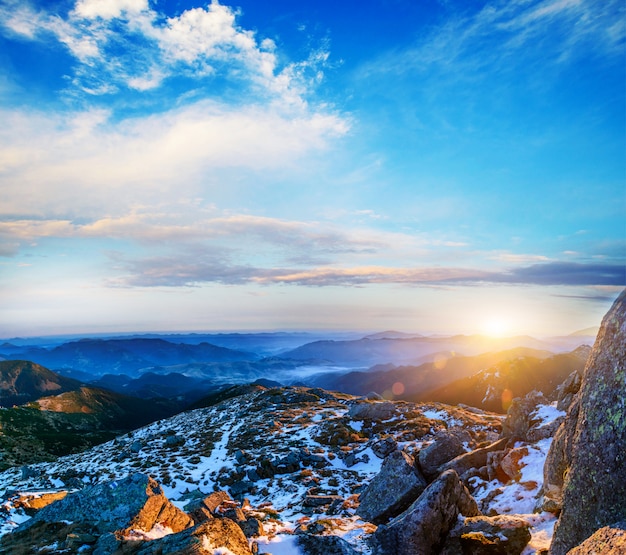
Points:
(446, 446)
(587, 459)
(384, 447)
(422, 528)
(134, 503)
(130, 507)
(392, 490)
(204, 539)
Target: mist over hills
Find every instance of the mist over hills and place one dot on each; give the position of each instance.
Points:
(494, 387)
(412, 350)
(407, 381)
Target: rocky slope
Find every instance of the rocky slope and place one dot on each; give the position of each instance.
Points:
(302, 466)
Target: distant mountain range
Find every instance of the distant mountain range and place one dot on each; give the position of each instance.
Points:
(123, 356)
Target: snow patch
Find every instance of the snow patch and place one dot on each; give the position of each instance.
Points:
(281, 544)
(546, 414)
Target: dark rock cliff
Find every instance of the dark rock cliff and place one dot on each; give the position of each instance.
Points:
(586, 467)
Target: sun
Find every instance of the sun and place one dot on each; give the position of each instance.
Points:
(496, 326)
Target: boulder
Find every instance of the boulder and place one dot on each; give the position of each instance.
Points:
(392, 490)
(608, 540)
(590, 447)
(310, 544)
(206, 508)
(205, 539)
(474, 459)
(133, 503)
(511, 464)
(251, 527)
(496, 535)
(372, 411)
(447, 445)
(384, 446)
(422, 528)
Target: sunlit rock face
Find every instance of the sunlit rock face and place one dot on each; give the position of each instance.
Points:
(589, 449)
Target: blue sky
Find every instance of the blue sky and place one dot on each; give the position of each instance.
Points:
(434, 166)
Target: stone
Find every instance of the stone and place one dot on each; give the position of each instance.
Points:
(287, 464)
(240, 488)
(590, 446)
(384, 446)
(496, 535)
(251, 527)
(392, 490)
(320, 500)
(310, 544)
(32, 502)
(511, 462)
(215, 499)
(568, 389)
(446, 446)
(372, 411)
(608, 540)
(174, 441)
(423, 527)
(518, 418)
(474, 459)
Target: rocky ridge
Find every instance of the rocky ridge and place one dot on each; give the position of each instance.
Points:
(295, 466)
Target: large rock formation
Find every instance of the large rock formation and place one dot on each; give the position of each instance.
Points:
(586, 465)
(422, 528)
(136, 503)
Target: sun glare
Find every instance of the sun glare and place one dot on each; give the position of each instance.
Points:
(496, 327)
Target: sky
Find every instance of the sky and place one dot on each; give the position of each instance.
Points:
(438, 166)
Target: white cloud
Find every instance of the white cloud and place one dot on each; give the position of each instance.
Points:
(109, 9)
(127, 43)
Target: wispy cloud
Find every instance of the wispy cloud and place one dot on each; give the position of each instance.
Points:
(507, 33)
(45, 159)
(199, 267)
